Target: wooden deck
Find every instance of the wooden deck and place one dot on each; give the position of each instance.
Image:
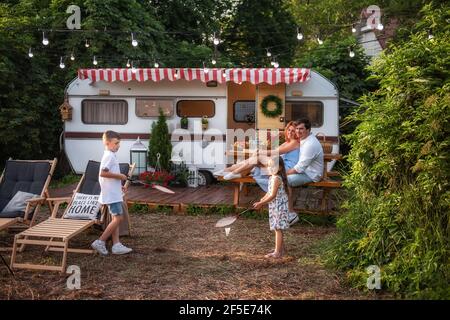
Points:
(307, 200)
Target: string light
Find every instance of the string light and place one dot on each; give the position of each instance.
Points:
(213, 61)
(351, 53)
(430, 35)
(94, 62)
(380, 26)
(61, 63)
(134, 42)
(86, 44)
(276, 64)
(44, 39)
(176, 74)
(299, 34)
(72, 56)
(215, 40)
(224, 74)
(30, 53)
(128, 63)
(353, 28)
(268, 53)
(156, 64)
(319, 40)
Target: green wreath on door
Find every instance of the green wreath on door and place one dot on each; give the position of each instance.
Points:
(278, 106)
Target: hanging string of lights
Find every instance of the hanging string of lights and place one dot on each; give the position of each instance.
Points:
(215, 41)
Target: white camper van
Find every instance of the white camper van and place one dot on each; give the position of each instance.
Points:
(128, 100)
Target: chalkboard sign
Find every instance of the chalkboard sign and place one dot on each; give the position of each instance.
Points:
(83, 206)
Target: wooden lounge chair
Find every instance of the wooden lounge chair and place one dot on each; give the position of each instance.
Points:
(55, 233)
(32, 176)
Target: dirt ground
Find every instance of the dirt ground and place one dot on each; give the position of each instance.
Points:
(186, 257)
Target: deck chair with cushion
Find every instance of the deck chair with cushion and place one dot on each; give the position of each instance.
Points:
(23, 189)
(55, 233)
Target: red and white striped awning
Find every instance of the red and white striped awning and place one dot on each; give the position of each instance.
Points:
(237, 75)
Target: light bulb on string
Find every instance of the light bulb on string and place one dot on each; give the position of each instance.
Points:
(430, 35)
(44, 39)
(94, 61)
(268, 53)
(353, 28)
(276, 64)
(299, 34)
(215, 40)
(205, 69)
(61, 63)
(134, 42)
(319, 41)
(176, 74)
(133, 68)
(213, 61)
(72, 56)
(128, 63)
(380, 26)
(30, 53)
(156, 64)
(351, 53)
(224, 74)
(87, 44)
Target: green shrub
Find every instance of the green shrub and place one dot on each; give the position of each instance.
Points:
(397, 213)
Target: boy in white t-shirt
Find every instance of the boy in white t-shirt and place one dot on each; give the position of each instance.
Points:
(111, 194)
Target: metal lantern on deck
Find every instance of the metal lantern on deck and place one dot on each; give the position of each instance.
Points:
(193, 177)
(138, 155)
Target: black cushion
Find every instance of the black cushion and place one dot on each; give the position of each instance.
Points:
(90, 183)
(23, 176)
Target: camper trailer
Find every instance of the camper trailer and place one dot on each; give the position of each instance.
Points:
(128, 101)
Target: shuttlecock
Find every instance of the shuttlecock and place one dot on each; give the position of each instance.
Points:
(227, 231)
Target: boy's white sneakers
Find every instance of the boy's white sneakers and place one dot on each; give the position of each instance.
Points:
(119, 248)
(100, 247)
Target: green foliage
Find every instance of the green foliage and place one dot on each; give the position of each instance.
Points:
(65, 181)
(256, 25)
(160, 143)
(194, 210)
(181, 174)
(398, 211)
(139, 208)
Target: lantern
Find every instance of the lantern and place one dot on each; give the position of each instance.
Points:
(66, 110)
(193, 177)
(138, 156)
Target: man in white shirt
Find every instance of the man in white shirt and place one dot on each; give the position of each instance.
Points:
(309, 167)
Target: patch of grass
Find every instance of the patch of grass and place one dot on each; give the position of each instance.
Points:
(193, 210)
(139, 208)
(164, 209)
(317, 220)
(65, 181)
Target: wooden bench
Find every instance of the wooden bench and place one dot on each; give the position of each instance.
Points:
(327, 186)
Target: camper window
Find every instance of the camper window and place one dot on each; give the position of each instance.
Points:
(313, 110)
(104, 111)
(196, 108)
(146, 107)
(244, 111)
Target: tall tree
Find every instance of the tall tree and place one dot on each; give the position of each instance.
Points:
(257, 26)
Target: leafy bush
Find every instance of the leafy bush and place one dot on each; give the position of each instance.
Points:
(398, 208)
